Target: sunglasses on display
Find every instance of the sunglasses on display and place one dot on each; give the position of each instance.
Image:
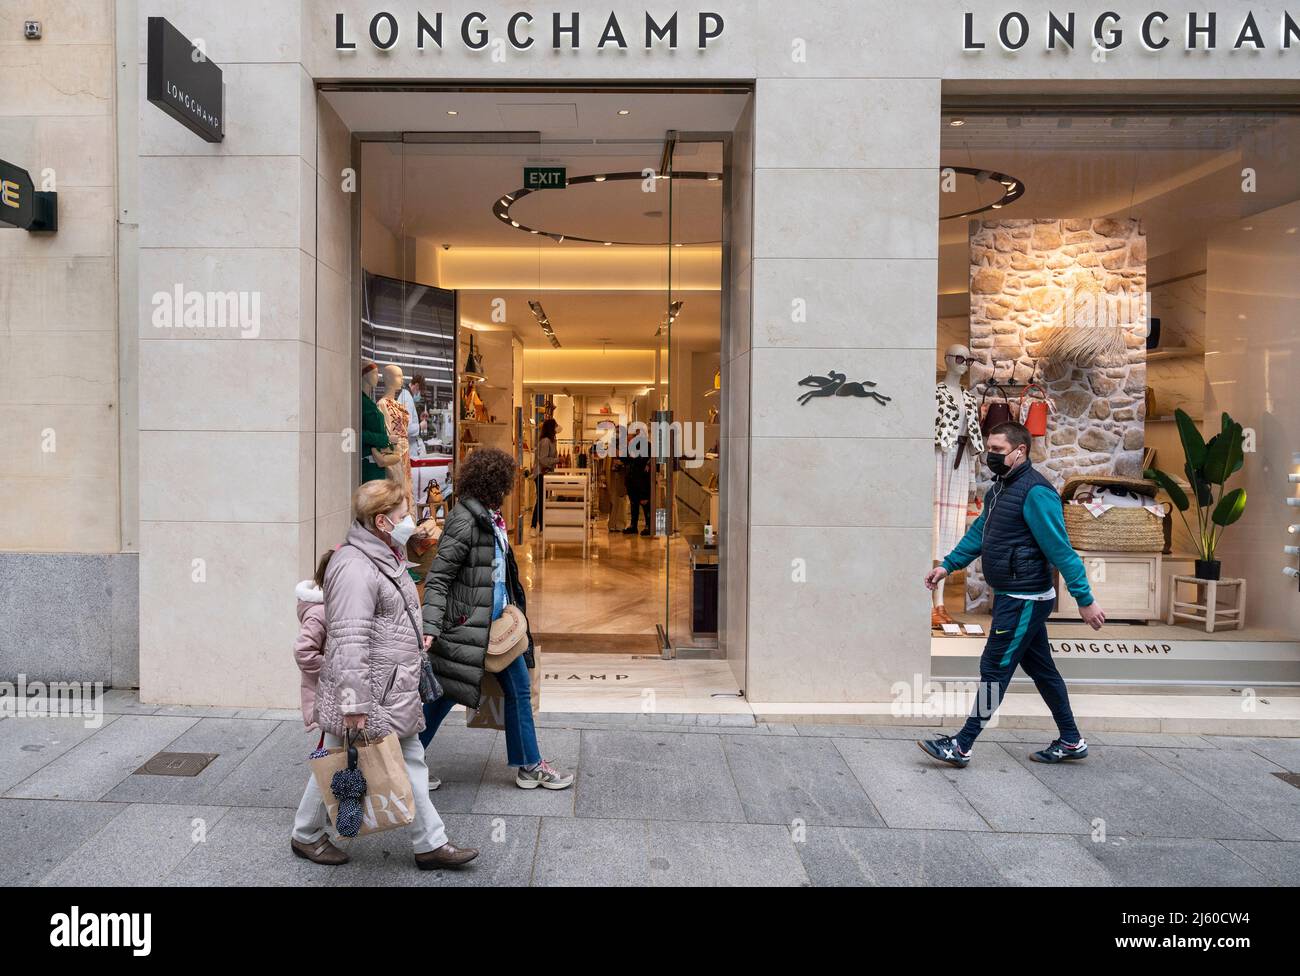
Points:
(960, 360)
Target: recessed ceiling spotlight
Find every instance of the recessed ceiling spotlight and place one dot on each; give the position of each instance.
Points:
(534, 232)
(676, 245)
(609, 243)
(1249, 227)
(957, 122)
(600, 179)
(452, 111)
(624, 111)
(713, 177)
(997, 206)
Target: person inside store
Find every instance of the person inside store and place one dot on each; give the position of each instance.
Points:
(369, 680)
(636, 477)
(548, 457)
(473, 578)
(1019, 537)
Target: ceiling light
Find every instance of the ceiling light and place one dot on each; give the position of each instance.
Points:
(452, 111)
(1290, 230)
(676, 245)
(514, 223)
(713, 177)
(609, 243)
(624, 111)
(600, 179)
(1249, 227)
(997, 206)
(957, 122)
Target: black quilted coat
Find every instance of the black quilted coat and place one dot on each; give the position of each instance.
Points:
(458, 600)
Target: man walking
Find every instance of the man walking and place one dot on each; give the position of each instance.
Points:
(1020, 535)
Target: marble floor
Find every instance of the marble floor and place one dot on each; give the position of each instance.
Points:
(623, 586)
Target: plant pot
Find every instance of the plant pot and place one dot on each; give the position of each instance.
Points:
(1207, 569)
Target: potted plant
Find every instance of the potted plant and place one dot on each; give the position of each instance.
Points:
(1208, 467)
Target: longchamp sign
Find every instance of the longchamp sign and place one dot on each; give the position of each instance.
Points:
(184, 83)
(524, 30)
(1155, 31)
(22, 205)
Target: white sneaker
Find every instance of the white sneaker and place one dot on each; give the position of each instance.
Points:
(544, 775)
(434, 782)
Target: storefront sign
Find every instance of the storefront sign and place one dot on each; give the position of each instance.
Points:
(22, 205)
(833, 384)
(523, 30)
(545, 177)
(1155, 31)
(184, 83)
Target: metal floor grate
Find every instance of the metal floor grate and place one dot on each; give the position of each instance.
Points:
(176, 764)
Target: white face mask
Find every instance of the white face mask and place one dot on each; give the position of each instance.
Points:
(401, 532)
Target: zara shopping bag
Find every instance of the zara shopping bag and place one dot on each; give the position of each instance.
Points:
(490, 713)
(388, 801)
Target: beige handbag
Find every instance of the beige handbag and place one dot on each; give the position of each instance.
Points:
(507, 639)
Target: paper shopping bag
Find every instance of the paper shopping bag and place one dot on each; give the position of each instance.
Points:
(490, 713)
(388, 802)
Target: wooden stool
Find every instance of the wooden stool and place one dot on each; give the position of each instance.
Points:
(1210, 613)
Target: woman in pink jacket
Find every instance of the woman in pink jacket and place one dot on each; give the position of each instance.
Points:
(370, 677)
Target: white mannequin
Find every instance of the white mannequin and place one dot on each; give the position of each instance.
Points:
(393, 380)
(952, 380)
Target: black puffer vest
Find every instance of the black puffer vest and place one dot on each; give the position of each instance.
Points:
(458, 600)
(1011, 559)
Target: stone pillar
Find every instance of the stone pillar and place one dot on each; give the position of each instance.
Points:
(228, 415)
(844, 271)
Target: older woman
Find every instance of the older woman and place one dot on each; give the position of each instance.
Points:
(370, 680)
(473, 577)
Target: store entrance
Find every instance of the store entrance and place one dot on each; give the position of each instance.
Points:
(542, 272)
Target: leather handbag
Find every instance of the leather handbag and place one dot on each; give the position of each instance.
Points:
(1034, 411)
(507, 639)
(994, 413)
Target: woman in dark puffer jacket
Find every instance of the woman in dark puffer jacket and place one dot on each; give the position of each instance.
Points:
(474, 575)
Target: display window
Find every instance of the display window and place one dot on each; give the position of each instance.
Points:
(1120, 280)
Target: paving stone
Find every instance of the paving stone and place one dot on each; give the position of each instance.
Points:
(125, 701)
(507, 846)
(458, 756)
(1137, 795)
(497, 792)
(1042, 860)
(1245, 782)
(232, 739)
(27, 744)
(275, 772)
(722, 855)
(1278, 861)
(1156, 740)
(656, 775)
(36, 835)
(592, 853)
(1284, 752)
(1008, 796)
(854, 856)
(139, 846)
(95, 765)
(782, 779)
(908, 788)
(845, 731)
(1166, 862)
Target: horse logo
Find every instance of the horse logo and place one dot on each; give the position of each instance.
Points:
(832, 384)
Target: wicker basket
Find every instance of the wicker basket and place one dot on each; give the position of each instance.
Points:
(1117, 530)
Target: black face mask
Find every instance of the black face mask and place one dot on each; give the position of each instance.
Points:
(997, 463)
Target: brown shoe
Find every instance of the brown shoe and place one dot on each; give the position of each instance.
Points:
(319, 851)
(446, 856)
(938, 617)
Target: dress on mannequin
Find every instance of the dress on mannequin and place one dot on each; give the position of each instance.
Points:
(397, 419)
(957, 441)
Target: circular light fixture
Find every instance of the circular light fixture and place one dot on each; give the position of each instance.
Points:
(501, 206)
(624, 111)
(1012, 188)
(452, 111)
(957, 122)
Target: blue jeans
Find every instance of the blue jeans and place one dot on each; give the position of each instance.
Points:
(1019, 637)
(521, 735)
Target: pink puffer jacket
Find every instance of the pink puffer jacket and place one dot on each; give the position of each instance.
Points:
(372, 651)
(309, 648)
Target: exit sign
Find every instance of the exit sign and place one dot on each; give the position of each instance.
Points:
(545, 177)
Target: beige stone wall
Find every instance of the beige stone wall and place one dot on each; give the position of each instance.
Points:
(1030, 277)
(59, 471)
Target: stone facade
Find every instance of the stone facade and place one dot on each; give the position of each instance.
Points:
(1031, 277)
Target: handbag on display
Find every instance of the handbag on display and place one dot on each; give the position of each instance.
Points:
(1034, 411)
(993, 413)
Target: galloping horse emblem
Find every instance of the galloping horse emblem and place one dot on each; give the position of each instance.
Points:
(832, 384)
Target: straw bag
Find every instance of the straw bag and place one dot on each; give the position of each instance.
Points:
(1116, 529)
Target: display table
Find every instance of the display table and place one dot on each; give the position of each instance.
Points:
(1126, 584)
(1229, 617)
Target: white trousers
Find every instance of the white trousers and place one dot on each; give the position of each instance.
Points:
(428, 831)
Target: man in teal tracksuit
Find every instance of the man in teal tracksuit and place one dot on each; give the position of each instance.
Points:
(1019, 536)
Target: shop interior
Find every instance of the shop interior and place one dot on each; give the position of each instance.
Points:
(1103, 270)
(592, 301)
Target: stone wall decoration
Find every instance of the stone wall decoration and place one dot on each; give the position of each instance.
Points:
(1028, 280)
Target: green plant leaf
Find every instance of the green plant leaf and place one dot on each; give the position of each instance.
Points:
(1193, 442)
(1200, 488)
(1230, 507)
(1223, 455)
(1170, 487)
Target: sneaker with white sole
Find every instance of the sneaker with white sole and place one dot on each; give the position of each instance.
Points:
(1059, 752)
(544, 775)
(434, 782)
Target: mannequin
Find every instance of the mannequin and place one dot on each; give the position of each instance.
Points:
(398, 419)
(374, 428)
(957, 441)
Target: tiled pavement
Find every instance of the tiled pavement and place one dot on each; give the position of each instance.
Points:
(667, 800)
